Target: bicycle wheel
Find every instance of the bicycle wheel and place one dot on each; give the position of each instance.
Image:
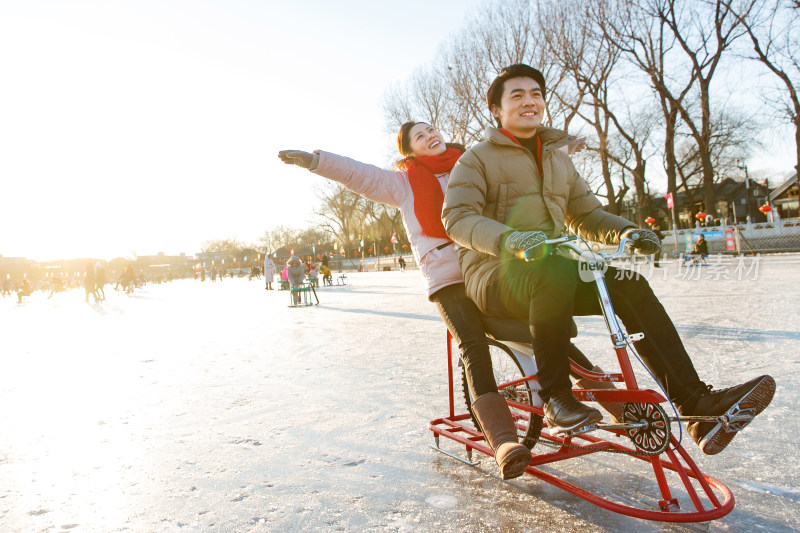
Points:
(506, 368)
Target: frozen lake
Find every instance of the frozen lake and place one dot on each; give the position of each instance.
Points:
(215, 407)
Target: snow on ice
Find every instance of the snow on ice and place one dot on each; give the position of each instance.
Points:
(215, 407)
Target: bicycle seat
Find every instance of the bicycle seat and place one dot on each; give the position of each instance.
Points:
(513, 329)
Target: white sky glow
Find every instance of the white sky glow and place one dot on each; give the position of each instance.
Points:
(154, 125)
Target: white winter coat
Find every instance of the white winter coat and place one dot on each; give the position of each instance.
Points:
(439, 267)
(269, 269)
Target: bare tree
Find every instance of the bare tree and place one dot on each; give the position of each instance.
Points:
(339, 212)
(278, 237)
(773, 31)
(451, 94)
(590, 64)
(705, 31)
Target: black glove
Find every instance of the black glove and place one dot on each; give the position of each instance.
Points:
(527, 245)
(644, 240)
(299, 158)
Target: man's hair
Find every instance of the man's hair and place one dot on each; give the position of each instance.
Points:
(519, 70)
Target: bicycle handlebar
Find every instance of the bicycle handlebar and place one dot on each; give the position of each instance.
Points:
(569, 242)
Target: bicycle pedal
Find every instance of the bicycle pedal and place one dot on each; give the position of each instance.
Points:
(738, 417)
(575, 431)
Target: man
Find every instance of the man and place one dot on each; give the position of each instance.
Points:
(510, 193)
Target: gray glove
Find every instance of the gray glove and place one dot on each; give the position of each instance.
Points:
(527, 245)
(644, 240)
(299, 158)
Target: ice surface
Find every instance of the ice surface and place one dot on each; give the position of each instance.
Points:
(215, 407)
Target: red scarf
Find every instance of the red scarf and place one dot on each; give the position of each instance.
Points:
(428, 196)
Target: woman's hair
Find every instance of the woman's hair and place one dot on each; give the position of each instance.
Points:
(404, 143)
(403, 139)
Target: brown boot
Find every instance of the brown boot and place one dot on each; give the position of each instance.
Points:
(491, 411)
(614, 409)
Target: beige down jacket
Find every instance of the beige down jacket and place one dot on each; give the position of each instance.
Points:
(496, 187)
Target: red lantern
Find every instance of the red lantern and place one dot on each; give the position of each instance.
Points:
(370, 250)
(342, 253)
(385, 248)
(405, 246)
(650, 220)
(701, 216)
(766, 208)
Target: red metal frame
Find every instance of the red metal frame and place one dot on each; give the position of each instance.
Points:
(675, 459)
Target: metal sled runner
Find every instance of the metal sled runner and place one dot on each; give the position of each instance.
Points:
(644, 432)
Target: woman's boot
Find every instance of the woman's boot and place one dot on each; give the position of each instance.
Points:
(498, 427)
(614, 409)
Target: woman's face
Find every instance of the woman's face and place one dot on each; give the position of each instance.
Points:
(424, 140)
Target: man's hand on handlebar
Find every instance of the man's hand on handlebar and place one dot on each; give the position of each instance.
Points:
(299, 158)
(644, 240)
(527, 245)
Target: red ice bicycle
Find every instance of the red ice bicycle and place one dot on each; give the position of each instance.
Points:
(645, 428)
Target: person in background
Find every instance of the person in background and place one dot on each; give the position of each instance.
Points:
(25, 289)
(700, 249)
(295, 273)
(269, 271)
(89, 284)
(313, 275)
(327, 276)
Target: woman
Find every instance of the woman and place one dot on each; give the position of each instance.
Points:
(417, 189)
(269, 271)
(295, 273)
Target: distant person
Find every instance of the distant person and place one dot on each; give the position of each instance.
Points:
(700, 250)
(295, 273)
(89, 282)
(269, 272)
(327, 276)
(100, 281)
(313, 275)
(402, 263)
(24, 289)
(7, 285)
(128, 279)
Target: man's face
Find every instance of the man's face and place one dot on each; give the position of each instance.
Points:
(521, 108)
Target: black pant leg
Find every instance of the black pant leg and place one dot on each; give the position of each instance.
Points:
(542, 293)
(641, 312)
(463, 319)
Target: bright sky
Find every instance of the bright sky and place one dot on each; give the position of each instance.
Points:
(152, 125)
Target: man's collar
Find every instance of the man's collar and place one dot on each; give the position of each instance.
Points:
(551, 138)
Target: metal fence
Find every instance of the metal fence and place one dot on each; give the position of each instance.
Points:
(782, 235)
